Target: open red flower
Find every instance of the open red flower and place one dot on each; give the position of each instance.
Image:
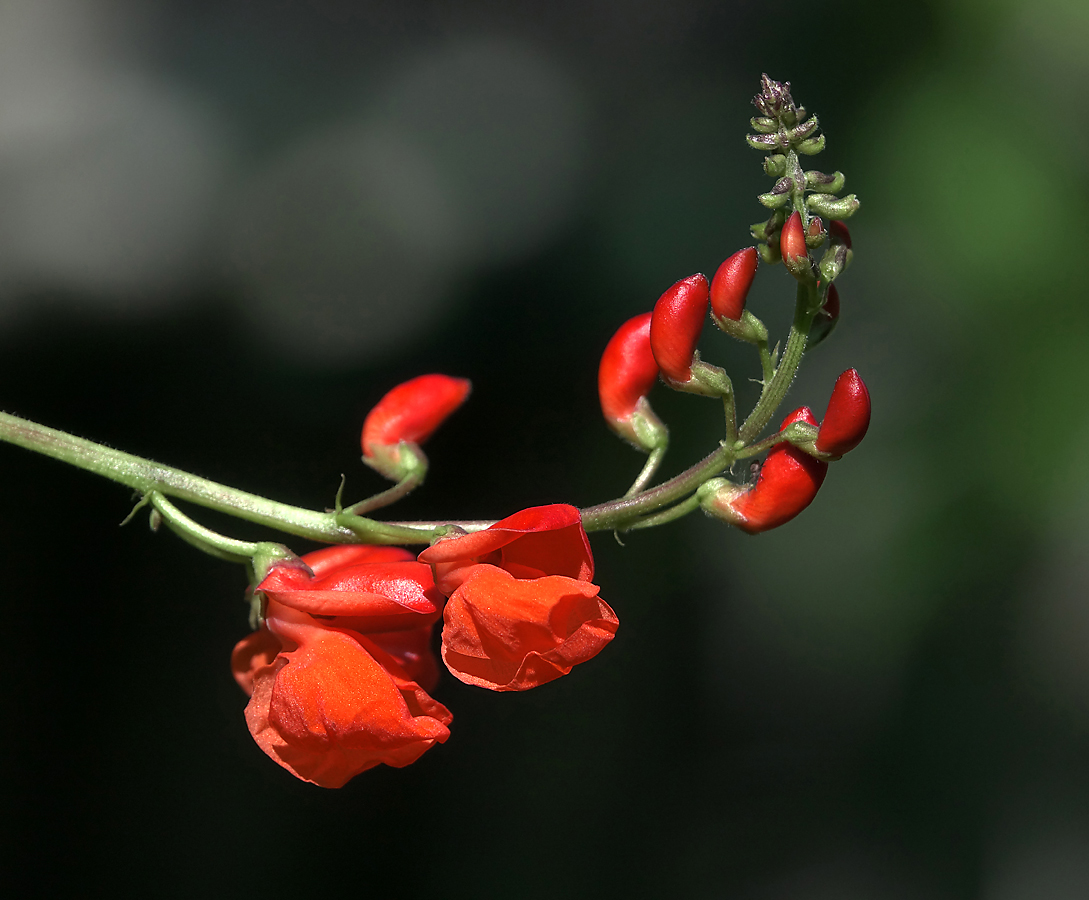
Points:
(335, 672)
(522, 611)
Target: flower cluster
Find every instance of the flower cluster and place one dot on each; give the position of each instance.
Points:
(340, 672)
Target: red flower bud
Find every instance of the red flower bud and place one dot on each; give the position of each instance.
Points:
(730, 286)
(676, 324)
(792, 245)
(409, 413)
(628, 370)
(815, 232)
(626, 374)
(787, 483)
(848, 415)
(839, 233)
(412, 411)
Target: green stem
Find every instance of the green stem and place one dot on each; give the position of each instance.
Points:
(649, 468)
(196, 535)
(617, 515)
(391, 495)
(775, 390)
(767, 367)
(145, 476)
(668, 515)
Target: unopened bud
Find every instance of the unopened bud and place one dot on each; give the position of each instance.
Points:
(828, 184)
(626, 375)
(763, 141)
(833, 207)
(676, 325)
(792, 247)
(814, 234)
(833, 262)
(406, 417)
(811, 147)
(778, 195)
(804, 130)
(764, 124)
(730, 286)
(775, 165)
(848, 416)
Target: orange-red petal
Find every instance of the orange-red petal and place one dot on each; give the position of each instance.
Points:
(509, 634)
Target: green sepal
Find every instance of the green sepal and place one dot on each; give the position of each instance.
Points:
(764, 125)
(398, 461)
(749, 329)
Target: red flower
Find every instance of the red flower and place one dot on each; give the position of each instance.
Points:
(335, 672)
(787, 483)
(408, 414)
(521, 610)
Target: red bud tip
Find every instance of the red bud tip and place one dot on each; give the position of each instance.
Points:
(676, 325)
(848, 415)
(792, 240)
(839, 233)
(730, 286)
(412, 411)
(816, 227)
(787, 483)
(628, 370)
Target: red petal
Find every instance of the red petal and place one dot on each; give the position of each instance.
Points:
(511, 635)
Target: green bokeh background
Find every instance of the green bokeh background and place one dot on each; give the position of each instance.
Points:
(886, 698)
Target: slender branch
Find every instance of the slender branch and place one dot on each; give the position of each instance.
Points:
(144, 476)
(667, 515)
(616, 515)
(391, 495)
(649, 468)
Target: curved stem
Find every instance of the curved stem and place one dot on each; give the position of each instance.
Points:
(390, 495)
(649, 468)
(667, 515)
(616, 515)
(196, 535)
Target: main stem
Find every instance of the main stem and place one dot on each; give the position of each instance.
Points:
(144, 476)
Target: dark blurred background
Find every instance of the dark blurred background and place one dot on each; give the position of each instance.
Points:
(228, 228)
